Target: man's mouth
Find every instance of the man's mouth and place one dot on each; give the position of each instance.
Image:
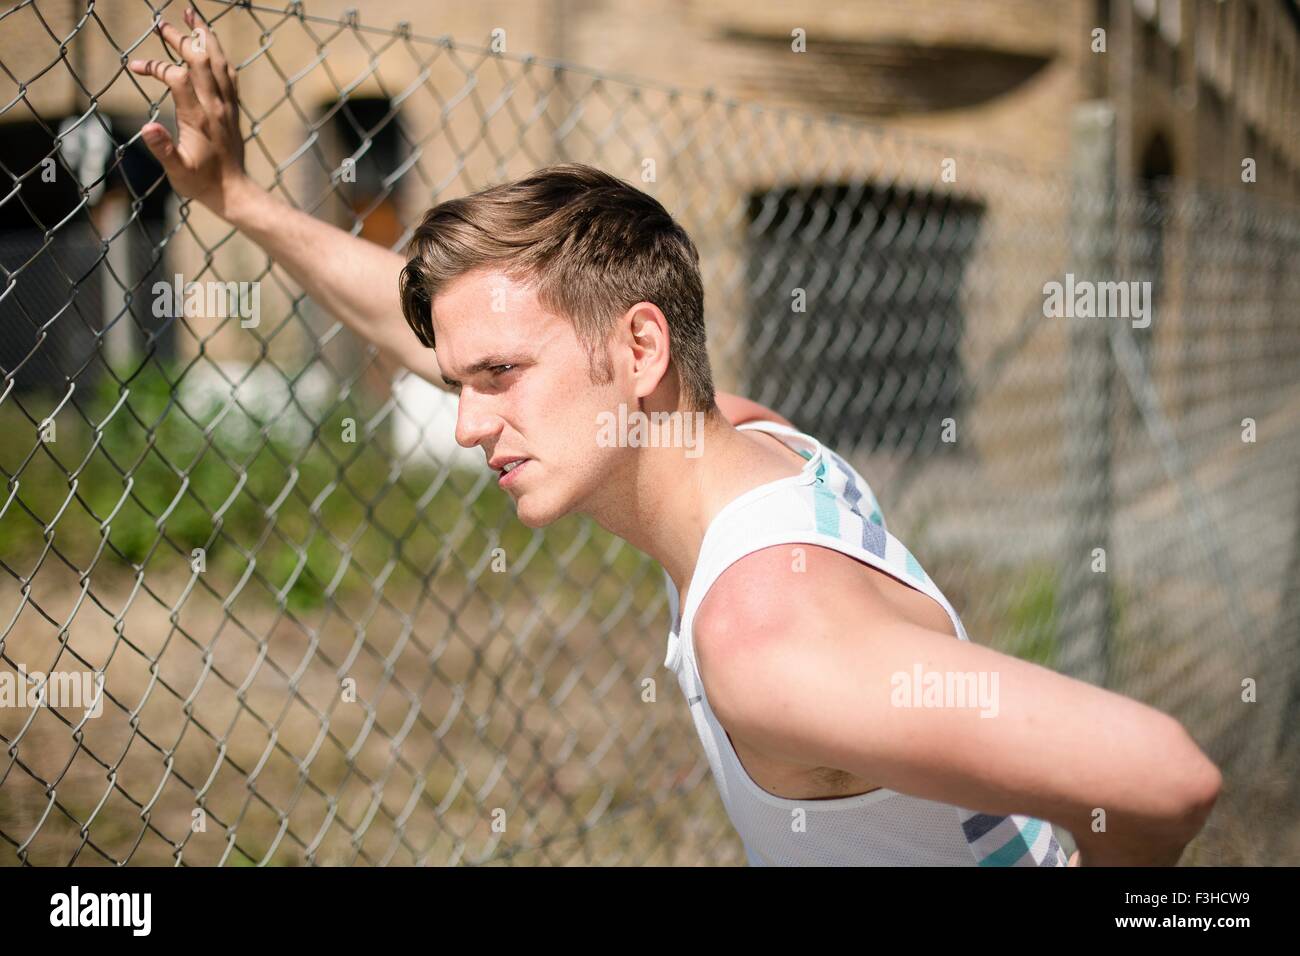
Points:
(509, 469)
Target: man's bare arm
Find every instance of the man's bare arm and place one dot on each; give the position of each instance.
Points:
(802, 672)
(353, 279)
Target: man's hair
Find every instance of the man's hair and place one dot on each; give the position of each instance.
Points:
(590, 245)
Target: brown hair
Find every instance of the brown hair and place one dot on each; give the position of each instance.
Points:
(590, 244)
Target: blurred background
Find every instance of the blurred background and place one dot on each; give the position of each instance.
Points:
(323, 636)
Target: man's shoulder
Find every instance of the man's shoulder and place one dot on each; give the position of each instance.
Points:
(774, 621)
(784, 588)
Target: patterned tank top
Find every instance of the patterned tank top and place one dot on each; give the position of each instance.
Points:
(829, 504)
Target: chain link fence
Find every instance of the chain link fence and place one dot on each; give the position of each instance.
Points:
(319, 636)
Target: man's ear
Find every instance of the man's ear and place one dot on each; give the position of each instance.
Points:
(647, 328)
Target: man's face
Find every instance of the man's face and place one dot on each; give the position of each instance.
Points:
(524, 393)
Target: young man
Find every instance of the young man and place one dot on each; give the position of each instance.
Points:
(567, 299)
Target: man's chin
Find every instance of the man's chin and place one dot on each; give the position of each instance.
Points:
(533, 517)
(533, 521)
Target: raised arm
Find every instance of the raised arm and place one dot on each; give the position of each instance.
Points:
(353, 279)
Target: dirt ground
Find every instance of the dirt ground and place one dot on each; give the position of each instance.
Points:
(483, 731)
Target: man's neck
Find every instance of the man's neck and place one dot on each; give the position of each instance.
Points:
(667, 503)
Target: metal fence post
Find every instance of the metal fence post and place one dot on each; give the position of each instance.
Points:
(1283, 731)
(1085, 594)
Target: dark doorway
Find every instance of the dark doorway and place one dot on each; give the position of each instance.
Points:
(1155, 186)
(80, 235)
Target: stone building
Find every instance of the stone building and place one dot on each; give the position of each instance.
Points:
(879, 192)
(953, 112)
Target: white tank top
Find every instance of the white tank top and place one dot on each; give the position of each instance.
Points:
(829, 504)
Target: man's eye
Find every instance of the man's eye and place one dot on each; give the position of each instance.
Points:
(499, 369)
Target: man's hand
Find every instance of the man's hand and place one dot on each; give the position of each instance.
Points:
(353, 279)
(207, 163)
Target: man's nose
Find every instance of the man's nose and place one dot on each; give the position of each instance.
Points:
(474, 421)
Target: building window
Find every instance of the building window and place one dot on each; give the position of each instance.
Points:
(364, 150)
(1155, 182)
(875, 360)
(367, 135)
(80, 295)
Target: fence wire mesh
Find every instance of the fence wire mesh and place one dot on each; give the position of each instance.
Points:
(322, 636)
